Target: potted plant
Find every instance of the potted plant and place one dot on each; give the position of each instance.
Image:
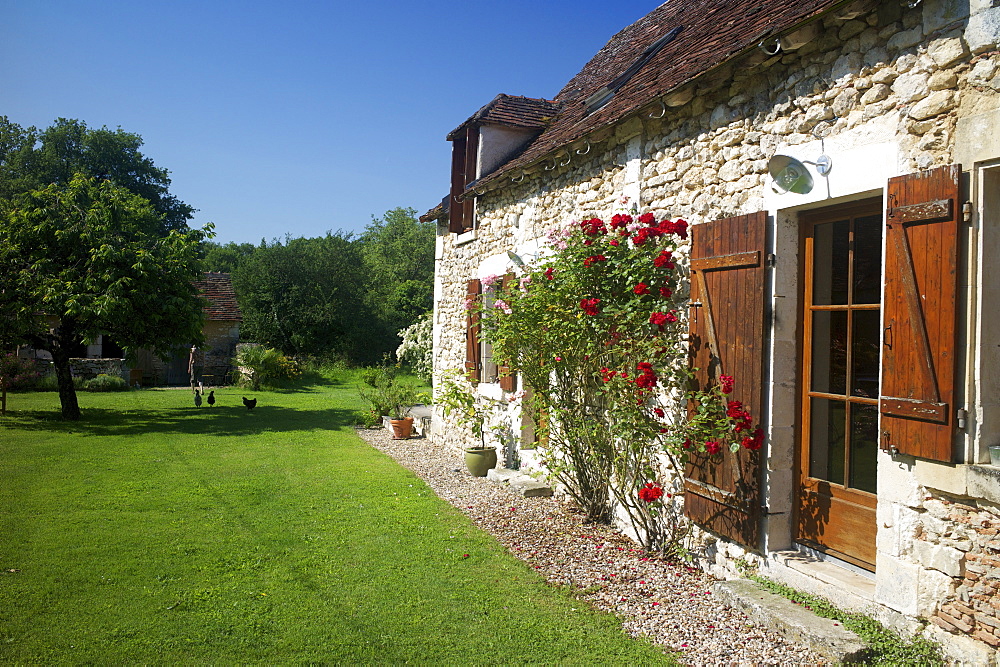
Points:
(389, 397)
(472, 412)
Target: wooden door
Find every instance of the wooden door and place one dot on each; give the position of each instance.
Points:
(838, 434)
(727, 338)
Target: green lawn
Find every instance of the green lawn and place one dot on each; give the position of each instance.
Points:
(155, 532)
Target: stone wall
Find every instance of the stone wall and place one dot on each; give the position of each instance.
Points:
(88, 369)
(961, 543)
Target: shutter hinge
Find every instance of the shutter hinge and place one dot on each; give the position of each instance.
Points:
(771, 260)
(961, 417)
(967, 211)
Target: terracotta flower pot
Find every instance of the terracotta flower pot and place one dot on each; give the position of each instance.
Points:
(479, 460)
(402, 429)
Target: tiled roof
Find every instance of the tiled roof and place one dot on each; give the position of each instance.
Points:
(217, 288)
(512, 111)
(712, 31)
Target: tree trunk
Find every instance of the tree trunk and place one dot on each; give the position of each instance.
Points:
(67, 392)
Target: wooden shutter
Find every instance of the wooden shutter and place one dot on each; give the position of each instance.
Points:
(464, 158)
(727, 338)
(508, 381)
(472, 365)
(921, 289)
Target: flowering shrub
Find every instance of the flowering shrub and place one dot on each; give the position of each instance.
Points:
(14, 371)
(594, 330)
(417, 348)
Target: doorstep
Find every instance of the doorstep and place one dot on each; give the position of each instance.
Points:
(846, 589)
(824, 636)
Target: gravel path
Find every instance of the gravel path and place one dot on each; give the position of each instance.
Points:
(672, 604)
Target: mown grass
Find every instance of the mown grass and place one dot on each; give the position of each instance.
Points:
(155, 532)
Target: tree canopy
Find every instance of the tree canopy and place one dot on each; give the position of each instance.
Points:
(92, 242)
(338, 295)
(31, 158)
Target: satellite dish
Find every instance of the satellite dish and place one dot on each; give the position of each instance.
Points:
(789, 175)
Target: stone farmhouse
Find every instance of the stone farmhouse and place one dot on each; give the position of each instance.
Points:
(839, 163)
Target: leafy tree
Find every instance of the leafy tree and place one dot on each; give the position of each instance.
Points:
(226, 258)
(305, 296)
(31, 159)
(90, 257)
(398, 252)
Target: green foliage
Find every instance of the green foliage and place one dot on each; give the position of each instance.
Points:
(458, 399)
(386, 393)
(31, 159)
(304, 296)
(398, 253)
(275, 537)
(227, 258)
(104, 382)
(368, 418)
(260, 366)
(94, 256)
(417, 348)
(884, 646)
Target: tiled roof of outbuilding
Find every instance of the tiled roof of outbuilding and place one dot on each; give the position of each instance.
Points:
(217, 288)
(512, 111)
(712, 32)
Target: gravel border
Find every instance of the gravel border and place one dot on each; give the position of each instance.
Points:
(669, 603)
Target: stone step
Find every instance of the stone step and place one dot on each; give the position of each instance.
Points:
(822, 635)
(526, 485)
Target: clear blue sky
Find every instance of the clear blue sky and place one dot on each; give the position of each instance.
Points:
(293, 117)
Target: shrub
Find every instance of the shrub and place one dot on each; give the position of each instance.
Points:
(263, 366)
(105, 382)
(417, 348)
(16, 372)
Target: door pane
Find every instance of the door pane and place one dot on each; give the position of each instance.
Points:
(864, 446)
(865, 353)
(826, 445)
(867, 260)
(829, 352)
(831, 242)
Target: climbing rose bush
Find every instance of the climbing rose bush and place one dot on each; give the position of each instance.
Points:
(595, 330)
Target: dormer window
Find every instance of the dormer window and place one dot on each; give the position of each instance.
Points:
(464, 159)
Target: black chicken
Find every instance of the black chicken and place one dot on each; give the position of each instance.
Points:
(251, 403)
(211, 398)
(197, 399)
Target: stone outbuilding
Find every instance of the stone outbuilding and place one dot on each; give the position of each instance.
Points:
(839, 163)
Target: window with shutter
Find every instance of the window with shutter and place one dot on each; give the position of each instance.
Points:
(507, 380)
(727, 338)
(917, 402)
(472, 350)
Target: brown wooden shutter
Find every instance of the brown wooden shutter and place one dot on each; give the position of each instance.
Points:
(508, 381)
(472, 365)
(464, 158)
(727, 338)
(921, 290)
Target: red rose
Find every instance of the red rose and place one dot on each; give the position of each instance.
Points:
(659, 412)
(593, 227)
(620, 220)
(647, 219)
(590, 306)
(666, 292)
(613, 242)
(713, 447)
(734, 409)
(658, 318)
(548, 273)
(650, 492)
(726, 383)
(641, 288)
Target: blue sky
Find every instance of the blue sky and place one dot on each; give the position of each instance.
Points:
(293, 117)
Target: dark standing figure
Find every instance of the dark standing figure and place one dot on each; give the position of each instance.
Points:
(211, 398)
(251, 403)
(197, 399)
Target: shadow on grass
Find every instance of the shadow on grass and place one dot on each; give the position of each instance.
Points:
(219, 421)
